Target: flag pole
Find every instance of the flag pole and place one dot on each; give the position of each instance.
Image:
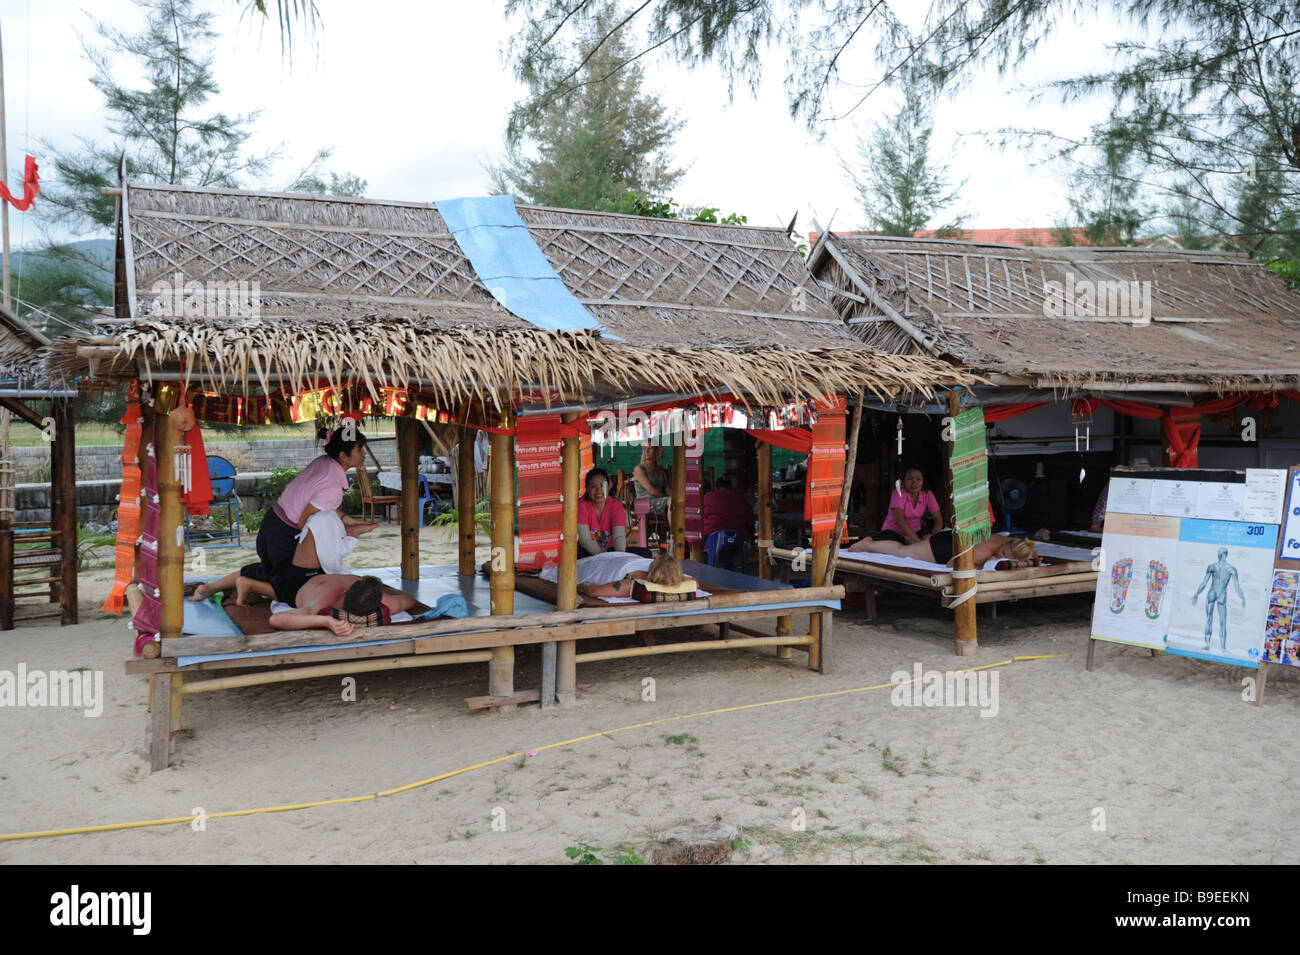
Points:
(4, 175)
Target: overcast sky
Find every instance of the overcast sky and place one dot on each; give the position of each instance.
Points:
(413, 97)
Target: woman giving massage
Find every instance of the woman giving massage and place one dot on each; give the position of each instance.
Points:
(937, 548)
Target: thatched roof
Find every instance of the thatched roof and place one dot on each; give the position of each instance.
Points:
(381, 291)
(20, 348)
(1218, 319)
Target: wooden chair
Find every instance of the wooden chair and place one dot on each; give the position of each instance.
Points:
(369, 501)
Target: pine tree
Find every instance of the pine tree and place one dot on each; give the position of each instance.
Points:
(596, 143)
(900, 186)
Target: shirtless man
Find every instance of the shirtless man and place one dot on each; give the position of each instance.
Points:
(356, 595)
(938, 548)
(1218, 575)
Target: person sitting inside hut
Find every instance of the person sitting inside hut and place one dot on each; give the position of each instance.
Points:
(937, 549)
(602, 522)
(340, 602)
(913, 511)
(663, 582)
(722, 509)
(651, 480)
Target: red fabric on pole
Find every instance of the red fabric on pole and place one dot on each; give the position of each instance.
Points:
(1132, 408)
(1182, 428)
(198, 499)
(537, 460)
(825, 481)
(791, 439)
(31, 186)
(1003, 412)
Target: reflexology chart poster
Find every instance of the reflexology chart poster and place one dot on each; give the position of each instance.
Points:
(1222, 586)
(1139, 552)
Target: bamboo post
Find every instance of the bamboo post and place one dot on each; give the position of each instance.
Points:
(7, 504)
(501, 668)
(56, 504)
(967, 643)
(65, 437)
(678, 505)
(466, 500)
(821, 563)
(408, 460)
(171, 549)
(566, 667)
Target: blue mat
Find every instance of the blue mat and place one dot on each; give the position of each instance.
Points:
(511, 266)
(207, 617)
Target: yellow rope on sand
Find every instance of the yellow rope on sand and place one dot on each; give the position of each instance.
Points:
(229, 814)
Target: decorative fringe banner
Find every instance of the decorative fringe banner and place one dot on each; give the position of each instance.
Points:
(825, 470)
(537, 458)
(972, 521)
(128, 507)
(148, 617)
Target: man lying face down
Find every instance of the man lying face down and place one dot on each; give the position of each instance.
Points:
(357, 596)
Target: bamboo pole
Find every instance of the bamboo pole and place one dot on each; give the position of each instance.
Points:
(466, 501)
(566, 671)
(408, 460)
(1022, 584)
(65, 437)
(501, 668)
(967, 642)
(7, 504)
(841, 518)
(695, 645)
(171, 550)
(4, 174)
(284, 639)
(678, 506)
(821, 561)
(335, 669)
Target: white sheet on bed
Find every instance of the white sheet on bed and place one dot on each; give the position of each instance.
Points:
(603, 568)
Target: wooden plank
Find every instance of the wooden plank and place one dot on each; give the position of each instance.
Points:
(408, 458)
(484, 702)
(823, 635)
(290, 674)
(66, 480)
(692, 646)
(1049, 591)
(523, 636)
(159, 721)
(465, 503)
(548, 675)
(290, 639)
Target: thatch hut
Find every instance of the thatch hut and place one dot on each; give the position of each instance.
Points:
(379, 302)
(37, 560)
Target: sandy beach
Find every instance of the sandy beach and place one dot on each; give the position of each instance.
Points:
(1162, 752)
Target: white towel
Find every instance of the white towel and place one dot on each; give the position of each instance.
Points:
(333, 545)
(602, 568)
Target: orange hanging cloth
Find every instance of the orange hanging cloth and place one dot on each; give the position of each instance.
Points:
(31, 186)
(198, 499)
(128, 509)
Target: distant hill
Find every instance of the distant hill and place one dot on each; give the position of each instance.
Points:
(98, 251)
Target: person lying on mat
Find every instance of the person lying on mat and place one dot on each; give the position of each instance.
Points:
(323, 546)
(937, 548)
(602, 522)
(357, 597)
(664, 582)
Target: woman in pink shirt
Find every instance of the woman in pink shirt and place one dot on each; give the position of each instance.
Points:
(318, 487)
(602, 522)
(907, 506)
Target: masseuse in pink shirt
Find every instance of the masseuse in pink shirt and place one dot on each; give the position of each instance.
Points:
(908, 505)
(319, 487)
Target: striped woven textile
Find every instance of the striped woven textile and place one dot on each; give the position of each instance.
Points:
(825, 471)
(537, 458)
(148, 617)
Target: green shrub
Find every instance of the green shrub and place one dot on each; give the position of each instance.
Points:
(270, 490)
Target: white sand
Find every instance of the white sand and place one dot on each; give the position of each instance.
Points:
(1185, 771)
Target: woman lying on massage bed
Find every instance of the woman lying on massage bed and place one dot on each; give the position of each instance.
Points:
(664, 582)
(937, 548)
(323, 546)
(358, 597)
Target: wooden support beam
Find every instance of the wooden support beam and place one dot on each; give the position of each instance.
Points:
(66, 481)
(7, 499)
(171, 548)
(466, 500)
(566, 667)
(408, 460)
(764, 509)
(816, 621)
(967, 642)
(485, 702)
(678, 505)
(501, 668)
(159, 721)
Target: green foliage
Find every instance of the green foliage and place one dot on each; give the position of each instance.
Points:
(88, 545)
(636, 205)
(312, 179)
(60, 289)
(251, 520)
(449, 519)
(603, 138)
(162, 128)
(584, 854)
(1106, 197)
(269, 491)
(900, 187)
